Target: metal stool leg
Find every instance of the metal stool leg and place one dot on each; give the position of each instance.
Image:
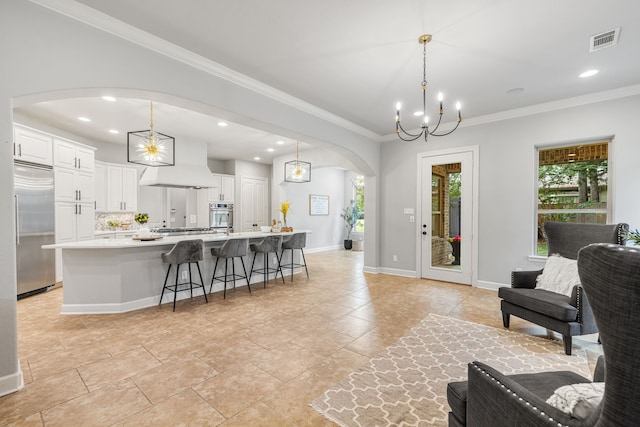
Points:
(214, 274)
(204, 291)
(165, 285)
(304, 261)
(175, 289)
(245, 274)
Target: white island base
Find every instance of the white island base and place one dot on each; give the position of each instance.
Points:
(116, 276)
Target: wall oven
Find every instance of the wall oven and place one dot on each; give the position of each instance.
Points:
(221, 216)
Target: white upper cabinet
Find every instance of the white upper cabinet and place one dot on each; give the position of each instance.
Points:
(222, 189)
(100, 181)
(121, 188)
(70, 155)
(31, 146)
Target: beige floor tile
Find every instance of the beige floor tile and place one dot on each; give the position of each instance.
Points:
(254, 359)
(123, 365)
(186, 408)
(40, 395)
(237, 389)
(101, 408)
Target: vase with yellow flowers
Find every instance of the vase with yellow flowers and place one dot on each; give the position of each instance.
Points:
(284, 209)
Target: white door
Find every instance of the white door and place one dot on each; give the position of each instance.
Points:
(254, 209)
(447, 211)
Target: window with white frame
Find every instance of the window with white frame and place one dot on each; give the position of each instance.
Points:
(572, 186)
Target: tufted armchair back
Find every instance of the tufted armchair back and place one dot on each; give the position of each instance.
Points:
(566, 239)
(610, 275)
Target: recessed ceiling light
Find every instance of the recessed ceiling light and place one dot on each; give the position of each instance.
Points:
(256, 158)
(109, 98)
(418, 113)
(84, 119)
(589, 73)
(271, 150)
(222, 124)
(280, 142)
(114, 131)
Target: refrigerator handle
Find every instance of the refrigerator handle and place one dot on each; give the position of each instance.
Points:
(17, 221)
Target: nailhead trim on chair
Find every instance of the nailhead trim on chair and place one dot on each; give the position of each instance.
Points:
(515, 395)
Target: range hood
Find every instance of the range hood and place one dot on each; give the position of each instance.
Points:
(178, 176)
(190, 170)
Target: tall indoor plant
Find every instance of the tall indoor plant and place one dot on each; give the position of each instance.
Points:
(350, 214)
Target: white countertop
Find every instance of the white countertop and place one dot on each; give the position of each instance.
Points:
(167, 240)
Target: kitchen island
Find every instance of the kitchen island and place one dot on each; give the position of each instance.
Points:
(120, 275)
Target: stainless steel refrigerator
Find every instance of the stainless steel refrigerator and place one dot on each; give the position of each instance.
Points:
(35, 209)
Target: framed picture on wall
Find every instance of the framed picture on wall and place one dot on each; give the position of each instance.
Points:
(318, 204)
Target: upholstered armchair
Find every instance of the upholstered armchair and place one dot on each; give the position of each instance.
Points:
(568, 315)
(610, 274)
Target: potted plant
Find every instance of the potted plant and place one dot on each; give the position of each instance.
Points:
(455, 246)
(350, 214)
(634, 236)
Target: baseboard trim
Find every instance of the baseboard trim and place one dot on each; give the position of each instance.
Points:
(398, 272)
(11, 383)
(494, 286)
(372, 270)
(323, 249)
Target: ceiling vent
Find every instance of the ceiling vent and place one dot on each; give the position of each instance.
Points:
(603, 40)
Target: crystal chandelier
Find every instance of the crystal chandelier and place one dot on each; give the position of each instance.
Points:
(150, 148)
(425, 131)
(297, 170)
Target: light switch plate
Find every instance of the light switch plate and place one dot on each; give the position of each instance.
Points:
(408, 211)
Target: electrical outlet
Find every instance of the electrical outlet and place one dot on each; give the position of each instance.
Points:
(184, 275)
(412, 218)
(193, 218)
(395, 258)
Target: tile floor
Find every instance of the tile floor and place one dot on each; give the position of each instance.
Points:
(251, 360)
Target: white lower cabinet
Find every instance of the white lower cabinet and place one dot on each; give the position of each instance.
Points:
(73, 222)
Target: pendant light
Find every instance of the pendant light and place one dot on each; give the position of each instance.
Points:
(150, 148)
(297, 170)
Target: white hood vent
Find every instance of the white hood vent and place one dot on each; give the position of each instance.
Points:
(190, 170)
(178, 176)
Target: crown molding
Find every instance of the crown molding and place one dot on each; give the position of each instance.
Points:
(101, 21)
(546, 107)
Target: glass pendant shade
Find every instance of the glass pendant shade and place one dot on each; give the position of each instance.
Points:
(297, 171)
(150, 148)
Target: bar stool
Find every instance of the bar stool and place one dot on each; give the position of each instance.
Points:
(232, 248)
(183, 252)
(296, 241)
(270, 244)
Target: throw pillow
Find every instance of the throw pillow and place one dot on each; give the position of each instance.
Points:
(577, 400)
(559, 275)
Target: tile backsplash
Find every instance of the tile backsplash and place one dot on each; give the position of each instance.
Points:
(125, 218)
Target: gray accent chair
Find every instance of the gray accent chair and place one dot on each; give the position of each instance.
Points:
(232, 248)
(183, 252)
(569, 316)
(610, 275)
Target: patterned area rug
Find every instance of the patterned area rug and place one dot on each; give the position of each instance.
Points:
(405, 384)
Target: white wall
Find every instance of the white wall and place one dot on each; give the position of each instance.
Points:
(326, 229)
(508, 179)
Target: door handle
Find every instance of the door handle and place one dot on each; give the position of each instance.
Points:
(79, 194)
(76, 206)
(17, 221)
(20, 150)
(79, 167)
(80, 209)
